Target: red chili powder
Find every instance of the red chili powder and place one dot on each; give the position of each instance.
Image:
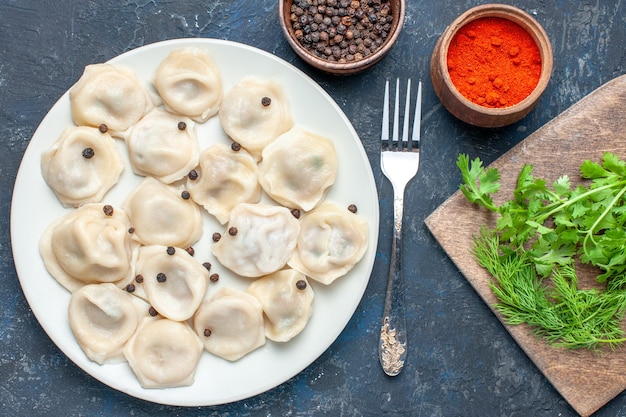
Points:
(494, 62)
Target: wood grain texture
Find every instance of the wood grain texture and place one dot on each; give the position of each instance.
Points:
(593, 126)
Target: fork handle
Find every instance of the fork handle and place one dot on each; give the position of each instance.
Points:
(392, 342)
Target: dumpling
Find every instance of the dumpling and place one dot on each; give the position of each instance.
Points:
(160, 214)
(254, 113)
(259, 239)
(331, 241)
(103, 317)
(162, 145)
(297, 168)
(82, 165)
(109, 95)
(163, 353)
(287, 300)
(230, 324)
(224, 179)
(173, 281)
(189, 84)
(89, 245)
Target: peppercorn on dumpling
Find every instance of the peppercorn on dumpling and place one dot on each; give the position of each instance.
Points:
(173, 281)
(255, 112)
(90, 244)
(82, 165)
(223, 179)
(190, 84)
(109, 96)
(163, 353)
(161, 214)
(287, 300)
(162, 145)
(258, 240)
(331, 241)
(298, 168)
(230, 324)
(103, 317)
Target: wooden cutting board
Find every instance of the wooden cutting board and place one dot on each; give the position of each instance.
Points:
(594, 125)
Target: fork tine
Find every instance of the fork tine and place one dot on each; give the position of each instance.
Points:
(396, 111)
(385, 128)
(417, 118)
(407, 106)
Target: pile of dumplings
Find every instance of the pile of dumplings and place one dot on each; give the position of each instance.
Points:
(138, 293)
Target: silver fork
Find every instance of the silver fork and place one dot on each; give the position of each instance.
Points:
(399, 161)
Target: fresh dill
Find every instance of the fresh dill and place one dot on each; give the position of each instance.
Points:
(540, 233)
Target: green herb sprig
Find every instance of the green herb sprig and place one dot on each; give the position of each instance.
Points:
(540, 232)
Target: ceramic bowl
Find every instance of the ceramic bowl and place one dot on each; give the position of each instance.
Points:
(342, 67)
(467, 110)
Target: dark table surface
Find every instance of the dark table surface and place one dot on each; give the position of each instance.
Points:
(461, 361)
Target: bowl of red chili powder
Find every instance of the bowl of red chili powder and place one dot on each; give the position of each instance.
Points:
(491, 65)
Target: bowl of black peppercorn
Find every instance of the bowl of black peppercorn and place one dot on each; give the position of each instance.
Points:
(341, 36)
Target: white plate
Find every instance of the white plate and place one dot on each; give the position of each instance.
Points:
(217, 381)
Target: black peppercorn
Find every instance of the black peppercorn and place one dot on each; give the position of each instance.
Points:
(295, 213)
(108, 210)
(185, 195)
(131, 230)
(207, 332)
(103, 128)
(152, 311)
(130, 288)
(301, 284)
(88, 153)
(191, 251)
(182, 125)
(193, 175)
(207, 265)
(235, 146)
(139, 278)
(216, 237)
(161, 277)
(232, 231)
(171, 250)
(352, 208)
(214, 277)
(266, 101)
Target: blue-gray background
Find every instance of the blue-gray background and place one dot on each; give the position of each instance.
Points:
(461, 361)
